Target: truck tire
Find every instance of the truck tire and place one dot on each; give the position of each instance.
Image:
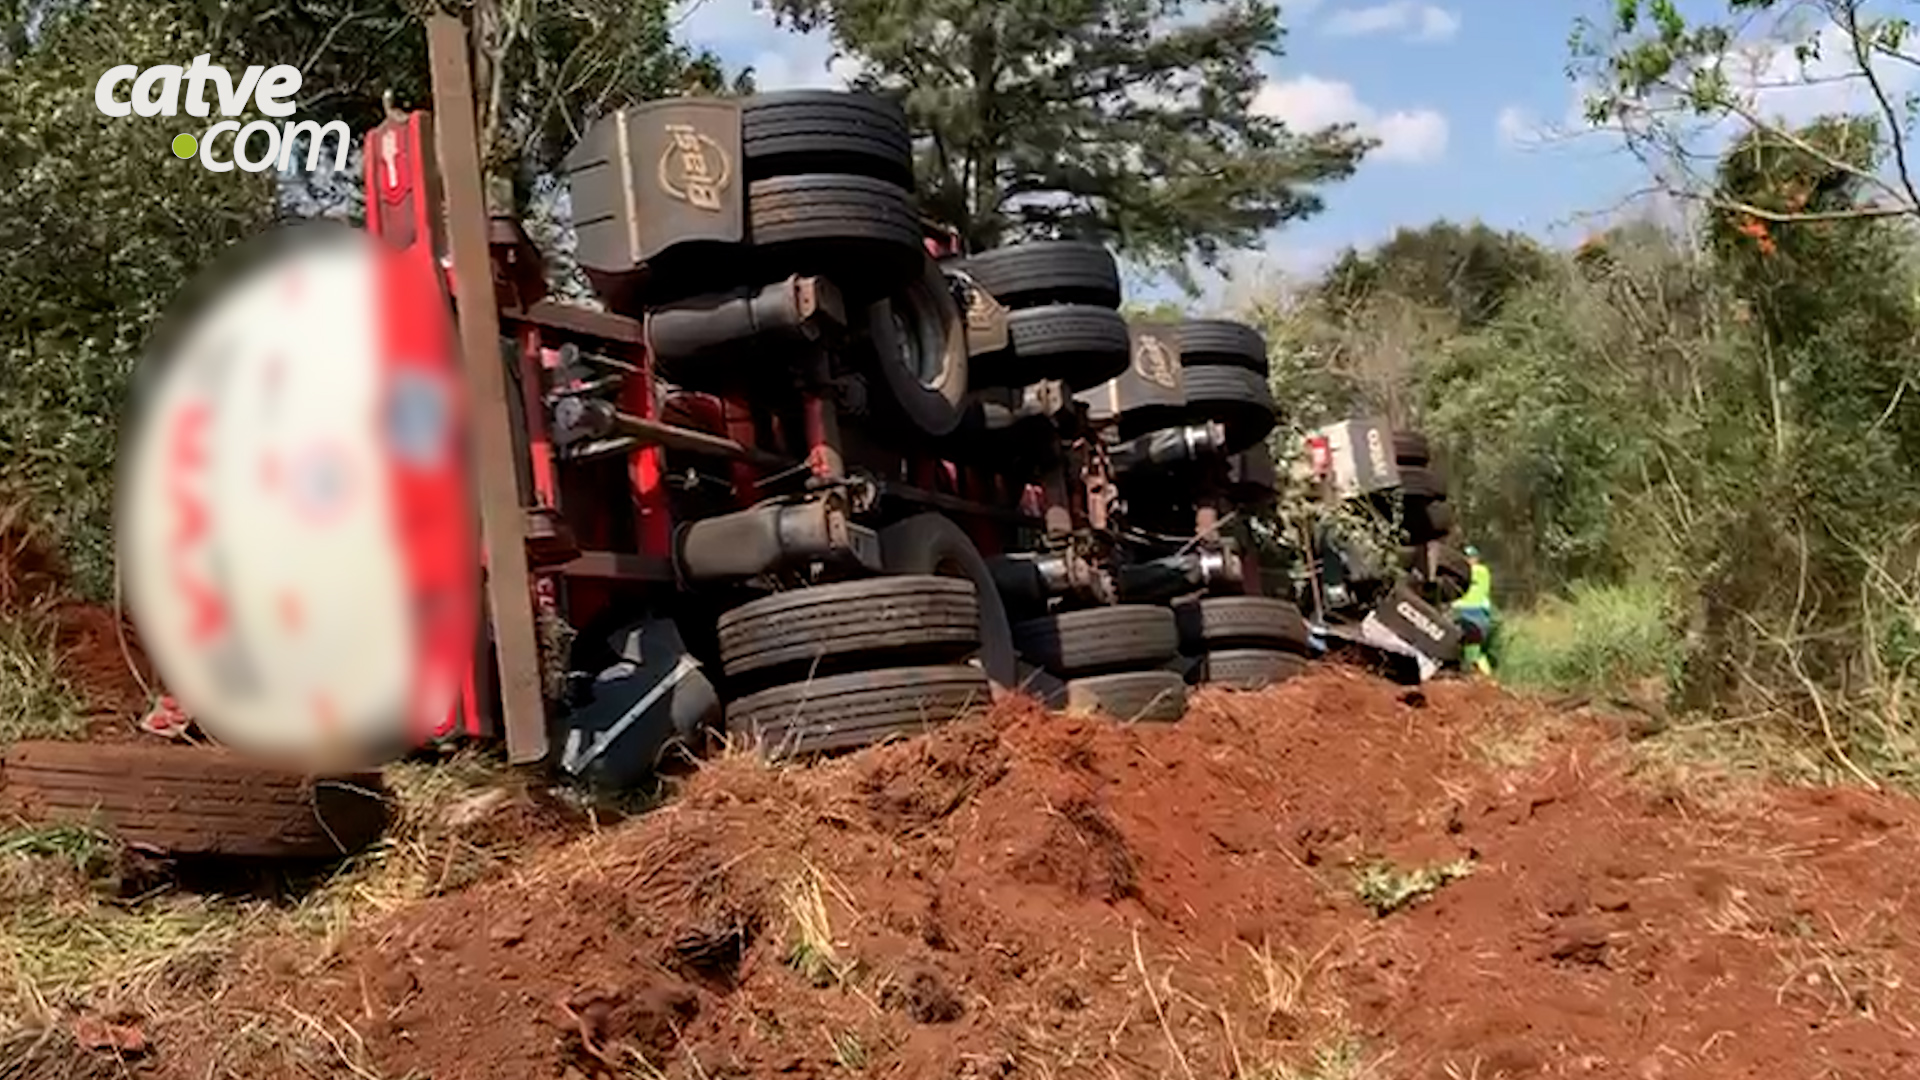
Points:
(821, 630)
(1230, 622)
(1253, 480)
(932, 544)
(195, 800)
(1427, 521)
(1249, 669)
(1447, 571)
(1411, 448)
(1222, 343)
(1078, 344)
(1421, 482)
(1131, 697)
(1044, 272)
(797, 132)
(1233, 396)
(1099, 640)
(919, 340)
(861, 232)
(846, 712)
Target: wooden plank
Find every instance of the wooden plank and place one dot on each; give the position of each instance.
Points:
(619, 566)
(582, 325)
(698, 443)
(501, 519)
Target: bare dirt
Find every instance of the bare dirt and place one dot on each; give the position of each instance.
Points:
(100, 652)
(1046, 896)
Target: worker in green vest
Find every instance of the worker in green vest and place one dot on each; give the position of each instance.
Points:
(1474, 612)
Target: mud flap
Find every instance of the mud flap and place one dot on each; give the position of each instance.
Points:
(1409, 626)
(1374, 633)
(654, 700)
(1151, 393)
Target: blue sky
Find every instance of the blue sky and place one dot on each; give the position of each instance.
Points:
(1471, 99)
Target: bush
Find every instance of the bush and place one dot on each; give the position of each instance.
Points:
(1598, 639)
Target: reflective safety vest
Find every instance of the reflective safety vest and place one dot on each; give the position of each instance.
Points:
(1479, 592)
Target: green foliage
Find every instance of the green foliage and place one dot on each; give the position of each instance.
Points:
(99, 226)
(1126, 120)
(1467, 271)
(1357, 341)
(1730, 415)
(1539, 431)
(1600, 638)
(1160, 311)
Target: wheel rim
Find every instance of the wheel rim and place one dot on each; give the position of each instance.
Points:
(915, 335)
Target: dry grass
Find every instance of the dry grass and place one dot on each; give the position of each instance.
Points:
(812, 952)
(1699, 770)
(70, 943)
(1513, 745)
(1282, 984)
(36, 700)
(429, 848)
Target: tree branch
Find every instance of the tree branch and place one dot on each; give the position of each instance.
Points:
(1864, 57)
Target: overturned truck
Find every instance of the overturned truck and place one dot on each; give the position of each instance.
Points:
(1383, 585)
(816, 477)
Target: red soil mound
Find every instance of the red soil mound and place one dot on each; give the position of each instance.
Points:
(1056, 897)
(32, 578)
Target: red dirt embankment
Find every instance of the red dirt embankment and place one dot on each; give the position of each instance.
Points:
(1056, 897)
(33, 579)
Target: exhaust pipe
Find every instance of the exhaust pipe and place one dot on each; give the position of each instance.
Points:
(772, 536)
(1170, 446)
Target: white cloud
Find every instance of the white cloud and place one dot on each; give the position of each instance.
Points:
(1406, 18)
(1771, 81)
(1269, 276)
(1517, 125)
(1309, 103)
(1778, 85)
(743, 35)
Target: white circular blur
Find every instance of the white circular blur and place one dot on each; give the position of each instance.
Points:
(257, 530)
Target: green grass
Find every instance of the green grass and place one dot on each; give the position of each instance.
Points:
(1386, 888)
(66, 937)
(1598, 639)
(36, 700)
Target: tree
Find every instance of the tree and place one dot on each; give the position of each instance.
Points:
(543, 71)
(1132, 121)
(1680, 91)
(100, 226)
(1467, 271)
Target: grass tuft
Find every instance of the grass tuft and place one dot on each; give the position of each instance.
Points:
(66, 939)
(1600, 639)
(37, 701)
(1386, 888)
(812, 951)
(429, 849)
(1343, 1057)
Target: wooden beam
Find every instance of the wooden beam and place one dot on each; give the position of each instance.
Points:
(502, 524)
(583, 324)
(696, 443)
